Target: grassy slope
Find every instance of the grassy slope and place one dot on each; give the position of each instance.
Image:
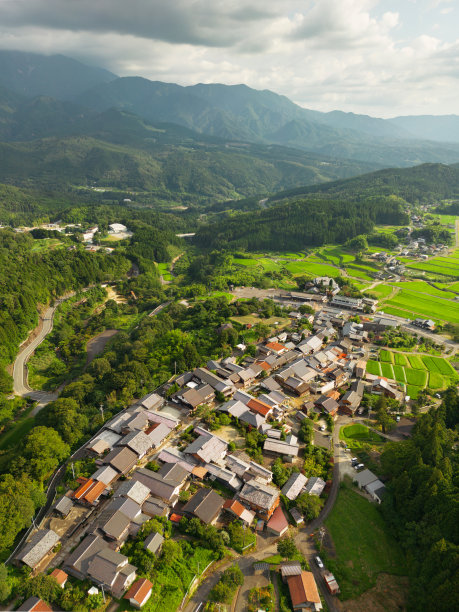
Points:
(364, 546)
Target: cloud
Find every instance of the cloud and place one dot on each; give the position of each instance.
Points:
(354, 55)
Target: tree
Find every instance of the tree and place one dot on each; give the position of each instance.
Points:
(306, 431)
(382, 416)
(286, 548)
(64, 415)
(281, 472)
(42, 452)
(42, 586)
(5, 585)
(309, 505)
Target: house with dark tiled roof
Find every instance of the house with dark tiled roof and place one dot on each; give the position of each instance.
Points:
(206, 505)
(36, 549)
(260, 497)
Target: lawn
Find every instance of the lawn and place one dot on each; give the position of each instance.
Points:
(363, 543)
(164, 271)
(357, 435)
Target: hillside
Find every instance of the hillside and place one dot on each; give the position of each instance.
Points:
(423, 183)
(443, 128)
(300, 224)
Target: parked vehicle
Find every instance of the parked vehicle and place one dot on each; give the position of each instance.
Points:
(319, 562)
(354, 460)
(359, 466)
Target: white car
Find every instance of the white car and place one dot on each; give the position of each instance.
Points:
(322, 428)
(319, 563)
(359, 466)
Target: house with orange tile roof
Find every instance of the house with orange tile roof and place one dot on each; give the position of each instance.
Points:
(237, 509)
(60, 577)
(303, 592)
(278, 524)
(259, 407)
(139, 593)
(34, 604)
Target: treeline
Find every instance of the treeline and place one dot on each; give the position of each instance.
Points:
(425, 183)
(299, 224)
(28, 279)
(423, 505)
(448, 209)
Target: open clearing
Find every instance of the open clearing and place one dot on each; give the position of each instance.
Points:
(363, 544)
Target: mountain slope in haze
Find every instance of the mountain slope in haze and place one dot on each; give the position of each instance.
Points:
(427, 183)
(119, 150)
(57, 76)
(444, 128)
(238, 112)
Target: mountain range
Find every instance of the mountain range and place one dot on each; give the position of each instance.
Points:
(62, 122)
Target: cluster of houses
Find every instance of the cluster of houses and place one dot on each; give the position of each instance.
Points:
(125, 490)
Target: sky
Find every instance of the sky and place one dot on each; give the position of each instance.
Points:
(382, 58)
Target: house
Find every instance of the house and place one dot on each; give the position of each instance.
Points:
(105, 474)
(134, 490)
(153, 543)
(259, 407)
(238, 510)
(152, 401)
(360, 368)
(381, 386)
(206, 505)
(296, 385)
(195, 397)
(254, 420)
(327, 405)
(349, 403)
(276, 348)
(226, 477)
(139, 593)
(290, 568)
(207, 448)
(248, 469)
(98, 447)
(296, 516)
(137, 441)
(78, 561)
(278, 524)
(111, 570)
(39, 545)
(376, 490)
(122, 459)
(113, 525)
(155, 507)
(315, 486)
(278, 447)
(310, 345)
(364, 478)
(63, 506)
(347, 302)
(164, 484)
(34, 604)
(217, 383)
(260, 497)
(60, 577)
(292, 488)
(270, 384)
(157, 433)
(303, 592)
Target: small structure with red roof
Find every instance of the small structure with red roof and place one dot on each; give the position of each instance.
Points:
(60, 577)
(139, 593)
(278, 524)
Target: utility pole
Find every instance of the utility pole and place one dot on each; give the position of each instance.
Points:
(103, 593)
(102, 412)
(73, 471)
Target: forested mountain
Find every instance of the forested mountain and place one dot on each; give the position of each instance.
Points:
(422, 505)
(424, 183)
(234, 112)
(114, 149)
(58, 76)
(238, 112)
(299, 224)
(444, 128)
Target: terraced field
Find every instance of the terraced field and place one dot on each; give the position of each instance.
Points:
(421, 305)
(414, 371)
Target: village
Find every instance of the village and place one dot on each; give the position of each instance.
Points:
(161, 458)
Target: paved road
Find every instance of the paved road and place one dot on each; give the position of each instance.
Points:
(20, 385)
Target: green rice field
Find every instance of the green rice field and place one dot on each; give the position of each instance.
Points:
(414, 371)
(417, 304)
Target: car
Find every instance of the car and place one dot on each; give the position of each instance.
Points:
(322, 428)
(354, 460)
(319, 562)
(347, 450)
(397, 418)
(437, 395)
(359, 466)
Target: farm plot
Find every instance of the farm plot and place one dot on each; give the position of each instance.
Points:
(387, 371)
(423, 287)
(438, 364)
(298, 268)
(416, 362)
(399, 372)
(436, 380)
(447, 267)
(417, 378)
(386, 356)
(413, 391)
(400, 359)
(429, 306)
(382, 291)
(374, 367)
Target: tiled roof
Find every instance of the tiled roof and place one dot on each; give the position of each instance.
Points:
(139, 590)
(60, 576)
(303, 589)
(278, 522)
